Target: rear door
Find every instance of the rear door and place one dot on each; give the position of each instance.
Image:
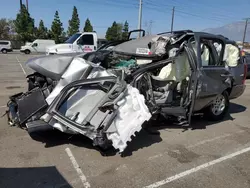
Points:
(214, 77)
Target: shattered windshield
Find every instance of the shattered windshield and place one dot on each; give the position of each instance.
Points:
(73, 38)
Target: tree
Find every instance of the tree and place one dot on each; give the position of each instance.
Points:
(74, 23)
(114, 32)
(125, 30)
(6, 29)
(88, 27)
(24, 25)
(56, 28)
(41, 31)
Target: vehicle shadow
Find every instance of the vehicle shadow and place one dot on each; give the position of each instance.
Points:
(52, 138)
(149, 135)
(198, 121)
(32, 177)
(152, 129)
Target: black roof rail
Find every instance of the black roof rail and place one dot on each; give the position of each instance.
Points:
(177, 32)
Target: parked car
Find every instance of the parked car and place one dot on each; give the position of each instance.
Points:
(172, 75)
(246, 57)
(38, 46)
(5, 46)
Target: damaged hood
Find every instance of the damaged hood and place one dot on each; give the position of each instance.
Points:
(52, 66)
(148, 47)
(135, 47)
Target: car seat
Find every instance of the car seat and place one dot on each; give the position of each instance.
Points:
(172, 78)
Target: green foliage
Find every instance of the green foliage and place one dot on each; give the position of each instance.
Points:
(56, 29)
(114, 32)
(88, 27)
(7, 29)
(24, 25)
(74, 23)
(41, 31)
(125, 31)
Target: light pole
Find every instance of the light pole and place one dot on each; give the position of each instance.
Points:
(140, 17)
(244, 35)
(172, 23)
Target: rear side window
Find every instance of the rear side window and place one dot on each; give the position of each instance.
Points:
(86, 40)
(211, 52)
(4, 43)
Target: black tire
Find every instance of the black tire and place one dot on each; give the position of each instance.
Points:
(27, 51)
(4, 51)
(210, 112)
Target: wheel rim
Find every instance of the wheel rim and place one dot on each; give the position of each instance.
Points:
(219, 105)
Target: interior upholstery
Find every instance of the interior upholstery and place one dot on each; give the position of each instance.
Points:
(205, 56)
(171, 79)
(176, 71)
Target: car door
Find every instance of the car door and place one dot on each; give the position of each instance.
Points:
(86, 43)
(214, 77)
(35, 47)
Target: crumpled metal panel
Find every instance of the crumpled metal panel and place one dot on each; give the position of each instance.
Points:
(132, 113)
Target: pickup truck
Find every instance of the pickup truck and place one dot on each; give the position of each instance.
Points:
(81, 43)
(77, 43)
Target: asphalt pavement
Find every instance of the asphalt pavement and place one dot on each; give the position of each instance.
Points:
(209, 155)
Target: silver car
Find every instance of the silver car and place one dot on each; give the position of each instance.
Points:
(108, 95)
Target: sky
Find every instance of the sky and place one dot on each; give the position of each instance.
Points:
(190, 14)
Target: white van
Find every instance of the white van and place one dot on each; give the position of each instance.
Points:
(79, 42)
(5, 46)
(39, 45)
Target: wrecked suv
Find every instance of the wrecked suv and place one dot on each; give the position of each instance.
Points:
(107, 96)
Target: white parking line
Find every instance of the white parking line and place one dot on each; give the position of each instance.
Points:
(198, 168)
(77, 168)
(21, 66)
(3, 106)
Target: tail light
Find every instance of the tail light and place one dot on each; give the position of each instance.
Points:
(243, 53)
(245, 73)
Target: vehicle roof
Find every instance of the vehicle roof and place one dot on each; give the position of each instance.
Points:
(190, 32)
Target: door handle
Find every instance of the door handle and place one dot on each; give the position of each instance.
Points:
(226, 75)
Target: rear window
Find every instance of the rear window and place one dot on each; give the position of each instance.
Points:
(4, 43)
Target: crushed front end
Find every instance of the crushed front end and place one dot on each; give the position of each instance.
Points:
(81, 98)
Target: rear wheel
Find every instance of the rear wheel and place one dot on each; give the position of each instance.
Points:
(219, 108)
(27, 51)
(4, 51)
